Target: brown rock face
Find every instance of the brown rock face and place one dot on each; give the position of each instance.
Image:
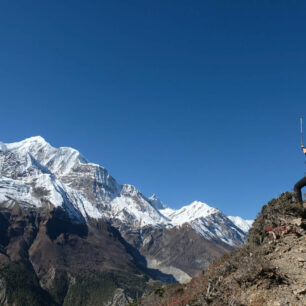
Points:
(176, 250)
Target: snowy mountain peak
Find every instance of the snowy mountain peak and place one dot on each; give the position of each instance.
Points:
(241, 223)
(196, 210)
(28, 144)
(35, 139)
(190, 212)
(156, 202)
(60, 161)
(201, 206)
(208, 221)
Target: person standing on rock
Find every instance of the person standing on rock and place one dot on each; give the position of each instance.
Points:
(300, 184)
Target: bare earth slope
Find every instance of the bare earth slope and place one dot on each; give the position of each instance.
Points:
(270, 270)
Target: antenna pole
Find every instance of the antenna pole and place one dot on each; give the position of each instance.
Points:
(301, 124)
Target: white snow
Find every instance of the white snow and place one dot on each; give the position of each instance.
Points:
(83, 204)
(12, 190)
(60, 161)
(3, 147)
(167, 212)
(190, 212)
(241, 223)
(28, 145)
(139, 212)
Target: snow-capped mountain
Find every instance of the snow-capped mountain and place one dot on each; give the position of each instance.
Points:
(189, 213)
(208, 221)
(243, 224)
(35, 174)
(67, 178)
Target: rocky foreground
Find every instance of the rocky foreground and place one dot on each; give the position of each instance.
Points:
(269, 270)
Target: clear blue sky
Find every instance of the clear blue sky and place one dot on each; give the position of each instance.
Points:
(191, 100)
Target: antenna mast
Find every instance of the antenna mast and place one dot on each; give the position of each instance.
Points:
(301, 124)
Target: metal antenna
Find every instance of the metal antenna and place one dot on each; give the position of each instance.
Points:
(301, 123)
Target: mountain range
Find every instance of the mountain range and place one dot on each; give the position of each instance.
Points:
(55, 196)
(269, 270)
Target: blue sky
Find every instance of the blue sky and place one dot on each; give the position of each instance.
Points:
(191, 100)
